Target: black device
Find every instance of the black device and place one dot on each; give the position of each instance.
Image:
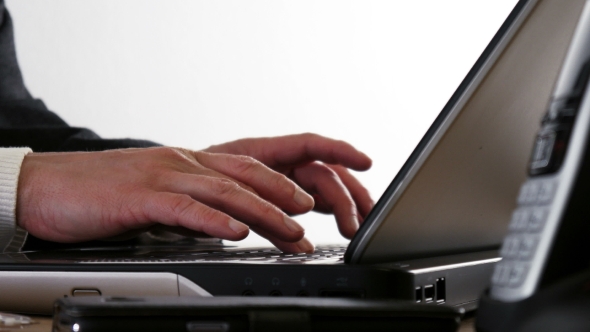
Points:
(254, 314)
(549, 234)
(561, 306)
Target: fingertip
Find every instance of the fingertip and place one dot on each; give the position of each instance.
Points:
(301, 246)
(365, 162)
(367, 207)
(369, 161)
(241, 230)
(306, 246)
(350, 227)
(360, 219)
(303, 200)
(355, 224)
(357, 161)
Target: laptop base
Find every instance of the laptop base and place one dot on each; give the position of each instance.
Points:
(31, 284)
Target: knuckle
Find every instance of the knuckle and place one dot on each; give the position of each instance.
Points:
(180, 205)
(155, 160)
(310, 136)
(246, 164)
(341, 144)
(165, 151)
(248, 188)
(267, 209)
(280, 180)
(209, 215)
(326, 172)
(173, 154)
(283, 182)
(224, 187)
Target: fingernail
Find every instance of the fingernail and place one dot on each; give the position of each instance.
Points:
(237, 226)
(306, 246)
(292, 225)
(303, 199)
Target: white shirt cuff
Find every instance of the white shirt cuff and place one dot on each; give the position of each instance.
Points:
(12, 237)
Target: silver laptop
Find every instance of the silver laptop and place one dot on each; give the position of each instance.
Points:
(431, 238)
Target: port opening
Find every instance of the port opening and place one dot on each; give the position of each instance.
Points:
(350, 293)
(441, 290)
(418, 294)
(303, 293)
(248, 292)
(275, 293)
(428, 293)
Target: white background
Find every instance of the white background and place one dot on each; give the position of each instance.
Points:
(196, 73)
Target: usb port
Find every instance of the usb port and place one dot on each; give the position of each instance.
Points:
(441, 290)
(418, 294)
(428, 293)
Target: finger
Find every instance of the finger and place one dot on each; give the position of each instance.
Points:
(359, 193)
(187, 161)
(181, 210)
(322, 207)
(302, 245)
(272, 186)
(297, 149)
(225, 195)
(323, 181)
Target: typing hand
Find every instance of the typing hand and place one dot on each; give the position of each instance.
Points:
(72, 197)
(317, 164)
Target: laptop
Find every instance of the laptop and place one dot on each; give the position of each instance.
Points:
(431, 238)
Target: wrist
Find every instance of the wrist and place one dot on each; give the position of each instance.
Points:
(26, 186)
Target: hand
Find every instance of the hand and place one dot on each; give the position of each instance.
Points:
(317, 164)
(72, 197)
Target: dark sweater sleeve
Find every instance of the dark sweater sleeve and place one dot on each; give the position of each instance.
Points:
(26, 121)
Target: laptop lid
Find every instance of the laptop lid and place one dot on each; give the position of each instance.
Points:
(456, 191)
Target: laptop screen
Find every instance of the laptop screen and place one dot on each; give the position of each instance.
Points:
(457, 190)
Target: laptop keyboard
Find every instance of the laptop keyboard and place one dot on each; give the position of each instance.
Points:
(265, 255)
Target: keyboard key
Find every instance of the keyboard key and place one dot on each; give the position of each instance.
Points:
(528, 244)
(511, 247)
(523, 193)
(520, 220)
(536, 219)
(529, 193)
(546, 192)
(258, 258)
(264, 255)
(501, 274)
(517, 275)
